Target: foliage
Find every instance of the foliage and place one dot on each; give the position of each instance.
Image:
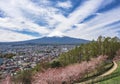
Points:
(94, 75)
(8, 55)
(118, 53)
(55, 64)
(68, 74)
(24, 77)
(103, 46)
(114, 78)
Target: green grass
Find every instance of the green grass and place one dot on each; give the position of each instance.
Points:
(93, 74)
(114, 78)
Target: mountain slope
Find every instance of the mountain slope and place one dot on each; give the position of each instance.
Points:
(52, 40)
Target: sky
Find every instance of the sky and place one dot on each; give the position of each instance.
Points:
(86, 19)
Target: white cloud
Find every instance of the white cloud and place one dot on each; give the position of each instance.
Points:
(66, 4)
(16, 24)
(16, 16)
(22, 15)
(106, 3)
(9, 36)
(17, 13)
(98, 26)
(106, 16)
(79, 14)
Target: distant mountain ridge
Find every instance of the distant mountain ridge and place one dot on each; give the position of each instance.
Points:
(51, 40)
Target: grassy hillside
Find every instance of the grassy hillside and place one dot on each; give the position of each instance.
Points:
(114, 78)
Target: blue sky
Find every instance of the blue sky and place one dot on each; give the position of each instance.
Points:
(30, 19)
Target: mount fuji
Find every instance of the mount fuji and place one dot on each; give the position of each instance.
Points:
(51, 40)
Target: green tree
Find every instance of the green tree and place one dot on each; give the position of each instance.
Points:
(24, 77)
(55, 64)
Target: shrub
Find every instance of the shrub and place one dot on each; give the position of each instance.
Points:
(24, 77)
(55, 64)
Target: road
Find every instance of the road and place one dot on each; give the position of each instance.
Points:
(102, 75)
(111, 70)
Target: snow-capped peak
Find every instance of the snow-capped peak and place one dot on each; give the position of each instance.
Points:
(56, 34)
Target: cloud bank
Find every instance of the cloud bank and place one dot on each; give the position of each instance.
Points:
(86, 19)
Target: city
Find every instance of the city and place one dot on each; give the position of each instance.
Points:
(28, 56)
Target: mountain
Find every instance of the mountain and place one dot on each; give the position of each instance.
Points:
(51, 40)
(58, 40)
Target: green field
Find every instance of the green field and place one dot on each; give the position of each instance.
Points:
(114, 78)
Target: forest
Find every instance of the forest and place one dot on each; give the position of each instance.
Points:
(103, 46)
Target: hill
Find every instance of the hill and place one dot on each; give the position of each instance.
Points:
(51, 40)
